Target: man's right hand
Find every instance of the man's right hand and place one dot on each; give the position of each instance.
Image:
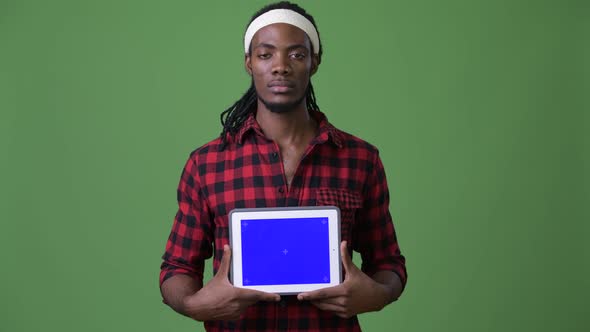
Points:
(219, 299)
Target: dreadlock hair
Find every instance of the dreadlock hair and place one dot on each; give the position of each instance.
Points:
(233, 117)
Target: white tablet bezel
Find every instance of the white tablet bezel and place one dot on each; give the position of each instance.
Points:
(331, 212)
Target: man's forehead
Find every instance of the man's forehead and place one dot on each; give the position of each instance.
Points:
(283, 16)
(281, 33)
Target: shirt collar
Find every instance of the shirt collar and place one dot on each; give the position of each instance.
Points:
(327, 132)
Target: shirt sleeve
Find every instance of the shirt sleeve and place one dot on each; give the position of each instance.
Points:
(377, 240)
(190, 240)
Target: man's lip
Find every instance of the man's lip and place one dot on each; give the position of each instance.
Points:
(286, 84)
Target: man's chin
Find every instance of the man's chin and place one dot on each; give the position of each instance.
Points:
(285, 107)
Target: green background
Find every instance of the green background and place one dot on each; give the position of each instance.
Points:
(479, 108)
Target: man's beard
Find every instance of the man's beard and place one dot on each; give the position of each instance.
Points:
(282, 107)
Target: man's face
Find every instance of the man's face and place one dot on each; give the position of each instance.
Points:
(281, 63)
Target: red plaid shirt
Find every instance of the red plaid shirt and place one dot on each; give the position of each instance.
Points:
(336, 169)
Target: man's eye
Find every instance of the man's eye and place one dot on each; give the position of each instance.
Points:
(264, 56)
(298, 56)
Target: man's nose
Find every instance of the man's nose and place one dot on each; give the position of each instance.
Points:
(281, 64)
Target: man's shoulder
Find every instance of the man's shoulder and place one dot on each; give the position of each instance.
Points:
(350, 141)
(213, 146)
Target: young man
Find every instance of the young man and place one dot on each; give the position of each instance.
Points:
(277, 149)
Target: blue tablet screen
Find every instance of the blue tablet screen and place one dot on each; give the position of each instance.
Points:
(285, 251)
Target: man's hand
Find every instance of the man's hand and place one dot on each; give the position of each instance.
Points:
(219, 299)
(358, 293)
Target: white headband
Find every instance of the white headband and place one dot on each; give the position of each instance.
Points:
(282, 16)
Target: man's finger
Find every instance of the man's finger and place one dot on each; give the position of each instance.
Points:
(255, 296)
(346, 260)
(337, 301)
(320, 294)
(225, 260)
(329, 307)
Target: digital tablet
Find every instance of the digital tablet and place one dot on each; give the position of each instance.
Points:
(285, 250)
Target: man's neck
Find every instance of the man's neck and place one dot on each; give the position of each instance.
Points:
(288, 128)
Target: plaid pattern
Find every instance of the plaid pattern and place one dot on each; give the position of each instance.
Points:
(337, 169)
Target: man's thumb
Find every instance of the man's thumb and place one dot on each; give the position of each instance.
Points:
(346, 260)
(225, 261)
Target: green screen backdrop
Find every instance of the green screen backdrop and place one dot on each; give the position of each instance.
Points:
(479, 108)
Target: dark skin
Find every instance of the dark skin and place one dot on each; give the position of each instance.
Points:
(218, 300)
(281, 64)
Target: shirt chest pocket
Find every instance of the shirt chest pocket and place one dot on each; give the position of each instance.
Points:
(347, 201)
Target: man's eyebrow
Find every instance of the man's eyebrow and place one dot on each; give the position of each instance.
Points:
(296, 46)
(271, 46)
(265, 45)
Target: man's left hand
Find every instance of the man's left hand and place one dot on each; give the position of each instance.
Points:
(358, 293)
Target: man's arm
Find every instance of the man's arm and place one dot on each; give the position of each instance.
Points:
(177, 288)
(391, 283)
(377, 284)
(189, 245)
(218, 300)
(358, 292)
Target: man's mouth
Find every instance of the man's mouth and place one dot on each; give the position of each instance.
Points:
(280, 86)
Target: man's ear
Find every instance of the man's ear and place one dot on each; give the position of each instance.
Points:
(248, 64)
(315, 63)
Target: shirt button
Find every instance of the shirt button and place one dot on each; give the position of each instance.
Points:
(283, 303)
(281, 190)
(274, 156)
